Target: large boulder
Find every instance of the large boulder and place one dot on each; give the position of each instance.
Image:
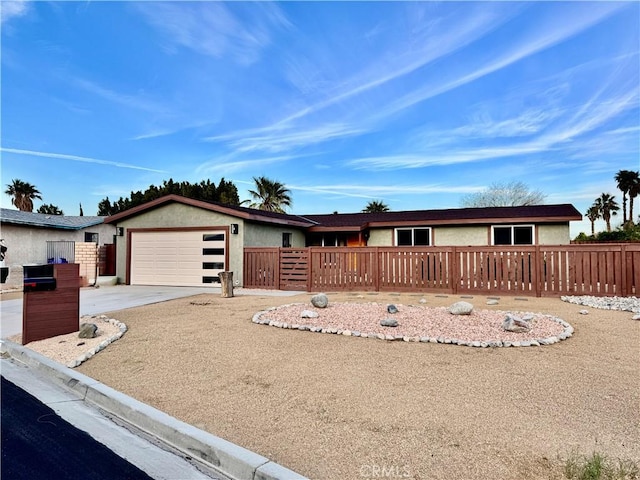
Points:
(88, 330)
(320, 300)
(515, 324)
(461, 308)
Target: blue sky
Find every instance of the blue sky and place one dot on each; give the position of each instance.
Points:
(413, 103)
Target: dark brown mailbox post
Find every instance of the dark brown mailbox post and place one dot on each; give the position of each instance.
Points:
(50, 301)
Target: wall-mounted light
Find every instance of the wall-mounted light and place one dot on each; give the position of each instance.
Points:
(234, 228)
(120, 231)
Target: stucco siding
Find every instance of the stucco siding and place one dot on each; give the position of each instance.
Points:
(257, 235)
(175, 215)
(28, 245)
(380, 237)
(556, 234)
(460, 236)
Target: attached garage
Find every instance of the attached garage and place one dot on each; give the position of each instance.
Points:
(191, 257)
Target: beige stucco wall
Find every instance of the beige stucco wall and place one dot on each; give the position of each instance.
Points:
(474, 235)
(28, 245)
(380, 237)
(556, 234)
(460, 236)
(176, 215)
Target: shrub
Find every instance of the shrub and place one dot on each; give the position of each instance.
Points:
(600, 467)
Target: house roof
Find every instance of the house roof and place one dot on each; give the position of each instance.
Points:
(362, 221)
(249, 214)
(43, 220)
(453, 216)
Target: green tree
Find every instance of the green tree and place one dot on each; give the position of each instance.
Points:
(225, 192)
(50, 209)
(593, 214)
(376, 206)
(270, 195)
(511, 194)
(607, 207)
(23, 194)
(628, 183)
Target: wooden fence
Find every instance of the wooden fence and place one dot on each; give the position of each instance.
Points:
(602, 270)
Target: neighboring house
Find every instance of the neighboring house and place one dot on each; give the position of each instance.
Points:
(175, 240)
(28, 238)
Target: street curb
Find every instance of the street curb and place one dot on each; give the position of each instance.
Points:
(226, 457)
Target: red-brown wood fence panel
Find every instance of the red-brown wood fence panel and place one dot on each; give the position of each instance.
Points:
(344, 268)
(262, 268)
(603, 270)
(294, 269)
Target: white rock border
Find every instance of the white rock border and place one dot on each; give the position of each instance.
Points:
(259, 319)
(622, 304)
(102, 345)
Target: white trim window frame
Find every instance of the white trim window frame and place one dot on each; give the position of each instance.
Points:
(514, 232)
(413, 236)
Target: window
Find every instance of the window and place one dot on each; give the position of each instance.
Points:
(286, 240)
(212, 266)
(408, 237)
(213, 251)
(211, 237)
(512, 235)
(91, 237)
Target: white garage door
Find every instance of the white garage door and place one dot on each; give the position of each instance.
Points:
(181, 258)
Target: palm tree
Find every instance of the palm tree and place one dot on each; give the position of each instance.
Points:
(634, 191)
(625, 180)
(593, 214)
(376, 206)
(23, 194)
(270, 195)
(607, 207)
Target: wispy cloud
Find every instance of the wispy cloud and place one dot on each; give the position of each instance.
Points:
(217, 29)
(75, 158)
(284, 139)
(377, 191)
(224, 166)
(548, 32)
(130, 101)
(11, 9)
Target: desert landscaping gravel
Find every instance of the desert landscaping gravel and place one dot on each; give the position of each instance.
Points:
(341, 407)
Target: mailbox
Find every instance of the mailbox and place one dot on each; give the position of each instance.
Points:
(38, 278)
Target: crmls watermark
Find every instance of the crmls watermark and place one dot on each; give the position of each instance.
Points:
(384, 471)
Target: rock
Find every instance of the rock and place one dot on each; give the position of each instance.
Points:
(423, 300)
(584, 312)
(308, 314)
(515, 324)
(461, 308)
(88, 330)
(389, 322)
(492, 301)
(320, 300)
(527, 317)
(636, 317)
(392, 308)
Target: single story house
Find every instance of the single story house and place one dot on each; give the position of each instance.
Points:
(175, 240)
(38, 238)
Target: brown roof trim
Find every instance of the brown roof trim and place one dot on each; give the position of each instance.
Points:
(238, 212)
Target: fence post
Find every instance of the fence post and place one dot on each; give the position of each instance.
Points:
(537, 258)
(309, 268)
(455, 278)
(623, 271)
(376, 275)
(278, 262)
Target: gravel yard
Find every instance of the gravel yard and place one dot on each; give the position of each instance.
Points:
(341, 407)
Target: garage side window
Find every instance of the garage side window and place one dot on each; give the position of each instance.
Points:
(512, 235)
(410, 237)
(213, 237)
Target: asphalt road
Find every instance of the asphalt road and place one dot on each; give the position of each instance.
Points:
(38, 444)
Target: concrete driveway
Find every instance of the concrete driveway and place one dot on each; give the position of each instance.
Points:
(94, 301)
